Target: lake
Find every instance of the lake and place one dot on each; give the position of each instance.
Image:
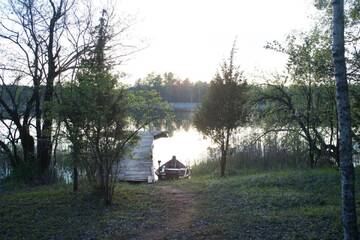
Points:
(187, 144)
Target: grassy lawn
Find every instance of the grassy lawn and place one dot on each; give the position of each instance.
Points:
(274, 205)
(54, 212)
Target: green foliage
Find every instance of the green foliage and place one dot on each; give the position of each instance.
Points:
(354, 11)
(25, 172)
(287, 152)
(310, 57)
(147, 107)
(352, 26)
(223, 107)
(101, 117)
(173, 89)
(355, 111)
(303, 101)
(321, 4)
(94, 110)
(310, 81)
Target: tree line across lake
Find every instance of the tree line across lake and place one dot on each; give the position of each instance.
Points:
(174, 89)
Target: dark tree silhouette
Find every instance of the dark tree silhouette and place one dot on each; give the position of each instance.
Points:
(223, 108)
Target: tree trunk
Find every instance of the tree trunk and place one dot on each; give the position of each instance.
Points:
(75, 180)
(45, 147)
(311, 154)
(28, 145)
(75, 173)
(37, 116)
(222, 160)
(337, 144)
(224, 152)
(349, 217)
(45, 140)
(107, 189)
(45, 143)
(223, 164)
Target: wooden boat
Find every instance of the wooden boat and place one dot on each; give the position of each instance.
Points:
(173, 169)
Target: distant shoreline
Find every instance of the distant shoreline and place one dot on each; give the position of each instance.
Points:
(184, 106)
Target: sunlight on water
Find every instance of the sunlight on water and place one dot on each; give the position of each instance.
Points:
(188, 146)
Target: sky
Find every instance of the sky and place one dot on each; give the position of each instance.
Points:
(192, 37)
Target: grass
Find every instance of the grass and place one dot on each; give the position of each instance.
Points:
(285, 204)
(291, 204)
(54, 212)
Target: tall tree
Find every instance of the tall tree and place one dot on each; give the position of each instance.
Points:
(349, 217)
(101, 117)
(298, 100)
(223, 108)
(40, 40)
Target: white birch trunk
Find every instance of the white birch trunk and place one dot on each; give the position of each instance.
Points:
(349, 217)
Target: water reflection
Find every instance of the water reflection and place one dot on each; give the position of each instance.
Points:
(187, 144)
(184, 141)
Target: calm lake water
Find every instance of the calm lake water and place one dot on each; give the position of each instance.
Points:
(187, 144)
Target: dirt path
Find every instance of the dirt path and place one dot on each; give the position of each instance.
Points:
(180, 218)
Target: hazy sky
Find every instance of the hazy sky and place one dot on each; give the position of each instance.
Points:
(191, 37)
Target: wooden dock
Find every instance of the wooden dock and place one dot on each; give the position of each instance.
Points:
(138, 166)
